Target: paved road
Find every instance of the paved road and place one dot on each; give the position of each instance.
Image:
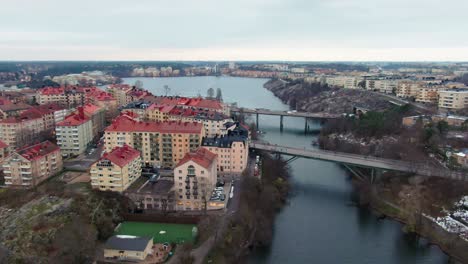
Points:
(84, 161)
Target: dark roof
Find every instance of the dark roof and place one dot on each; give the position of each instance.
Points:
(120, 242)
(238, 134)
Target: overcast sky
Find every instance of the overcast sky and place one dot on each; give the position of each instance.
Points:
(308, 30)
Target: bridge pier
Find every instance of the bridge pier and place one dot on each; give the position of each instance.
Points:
(256, 122)
(306, 126)
(281, 123)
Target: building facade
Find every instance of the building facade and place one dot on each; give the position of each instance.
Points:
(29, 166)
(160, 143)
(453, 98)
(117, 170)
(195, 177)
(74, 133)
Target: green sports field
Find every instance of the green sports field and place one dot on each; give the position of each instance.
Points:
(177, 233)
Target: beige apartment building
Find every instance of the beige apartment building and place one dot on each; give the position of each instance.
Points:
(453, 98)
(65, 97)
(29, 166)
(347, 82)
(195, 177)
(116, 170)
(97, 115)
(407, 89)
(232, 150)
(160, 143)
(119, 92)
(428, 95)
(74, 133)
(383, 86)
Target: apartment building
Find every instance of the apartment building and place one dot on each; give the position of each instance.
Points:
(186, 102)
(4, 151)
(116, 170)
(74, 133)
(213, 122)
(453, 98)
(347, 82)
(29, 166)
(383, 86)
(232, 149)
(98, 117)
(429, 95)
(160, 143)
(68, 97)
(21, 130)
(11, 109)
(195, 177)
(407, 89)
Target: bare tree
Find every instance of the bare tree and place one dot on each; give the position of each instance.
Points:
(167, 90)
(210, 93)
(219, 94)
(138, 84)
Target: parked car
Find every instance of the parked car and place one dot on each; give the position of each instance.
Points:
(219, 189)
(220, 183)
(222, 197)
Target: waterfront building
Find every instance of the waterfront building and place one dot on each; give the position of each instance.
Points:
(453, 98)
(195, 177)
(116, 170)
(160, 143)
(74, 133)
(232, 149)
(29, 166)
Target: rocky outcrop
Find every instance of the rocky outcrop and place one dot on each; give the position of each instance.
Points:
(315, 97)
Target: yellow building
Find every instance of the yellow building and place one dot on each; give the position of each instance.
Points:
(195, 178)
(128, 248)
(453, 98)
(383, 86)
(160, 143)
(116, 170)
(29, 166)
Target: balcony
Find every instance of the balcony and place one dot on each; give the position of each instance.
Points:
(25, 166)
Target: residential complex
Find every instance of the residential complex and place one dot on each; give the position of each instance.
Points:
(74, 133)
(383, 86)
(347, 82)
(116, 170)
(195, 177)
(29, 166)
(160, 143)
(98, 117)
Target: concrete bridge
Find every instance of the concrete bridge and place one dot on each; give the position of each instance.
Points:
(282, 114)
(361, 161)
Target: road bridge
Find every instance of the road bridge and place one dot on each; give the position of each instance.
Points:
(423, 169)
(282, 114)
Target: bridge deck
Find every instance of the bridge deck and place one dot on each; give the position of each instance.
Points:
(363, 161)
(320, 115)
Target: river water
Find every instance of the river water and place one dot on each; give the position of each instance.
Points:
(319, 225)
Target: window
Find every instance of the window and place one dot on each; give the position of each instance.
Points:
(191, 170)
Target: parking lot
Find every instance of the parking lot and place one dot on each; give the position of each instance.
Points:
(220, 197)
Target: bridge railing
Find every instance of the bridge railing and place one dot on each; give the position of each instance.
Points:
(413, 167)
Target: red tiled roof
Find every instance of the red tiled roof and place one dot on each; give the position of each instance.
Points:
(38, 150)
(121, 156)
(29, 114)
(161, 108)
(125, 123)
(3, 145)
(51, 90)
(194, 102)
(7, 105)
(74, 119)
(91, 109)
(201, 156)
